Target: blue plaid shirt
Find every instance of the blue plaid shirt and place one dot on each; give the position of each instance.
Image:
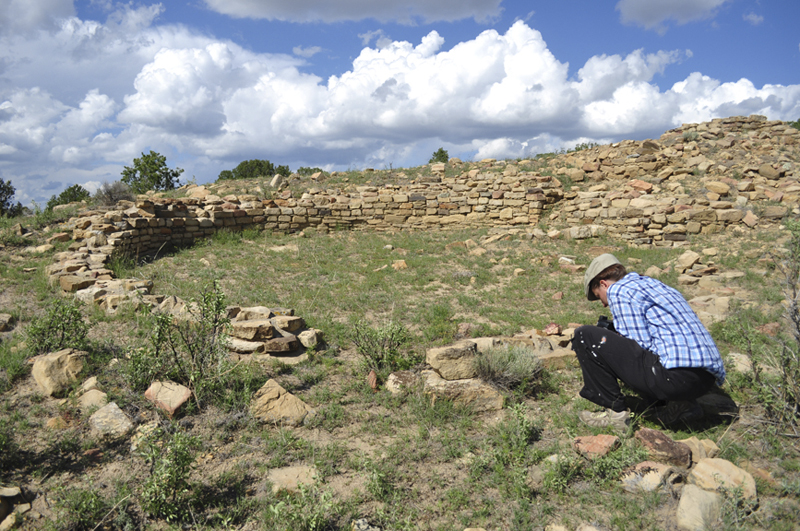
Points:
(658, 318)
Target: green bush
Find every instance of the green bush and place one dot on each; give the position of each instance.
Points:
(7, 206)
(512, 367)
(254, 169)
(306, 171)
(62, 326)
(440, 155)
(310, 509)
(381, 347)
(150, 172)
(74, 194)
(80, 509)
(795, 124)
(167, 493)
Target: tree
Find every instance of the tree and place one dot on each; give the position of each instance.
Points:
(253, 169)
(74, 193)
(150, 172)
(112, 193)
(440, 155)
(7, 206)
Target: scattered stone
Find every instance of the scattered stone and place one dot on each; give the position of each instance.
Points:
(273, 404)
(715, 474)
(649, 476)
(92, 400)
(701, 449)
(253, 330)
(110, 421)
(698, 509)
(594, 446)
(663, 449)
(168, 396)
(311, 338)
(401, 382)
(454, 362)
(6, 322)
(55, 372)
(362, 524)
(290, 478)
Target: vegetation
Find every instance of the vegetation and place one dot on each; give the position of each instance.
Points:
(305, 170)
(73, 194)
(512, 367)
(381, 348)
(61, 326)
(440, 155)
(150, 172)
(254, 169)
(7, 206)
(111, 193)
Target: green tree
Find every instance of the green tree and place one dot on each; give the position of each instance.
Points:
(440, 155)
(72, 194)
(7, 206)
(795, 124)
(253, 169)
(150, 172)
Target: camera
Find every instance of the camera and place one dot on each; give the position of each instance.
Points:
(603, 322)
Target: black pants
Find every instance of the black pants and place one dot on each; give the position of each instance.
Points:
(606, 357)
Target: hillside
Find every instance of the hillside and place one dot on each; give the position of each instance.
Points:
(350, 294)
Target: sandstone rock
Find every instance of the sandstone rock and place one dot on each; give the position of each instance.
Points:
(698, 509)
(688, 259)
(110, 421)
(254, 313)
(362, 524)
(715, 474)
(556, 359)
(253, 330)
(281, 345)
(701, 448)
(718, 187)
(649, 476)
(168, 396)
(273, 404)
(593, 446)
(663, 449)
(6, 320)
(471, 392)
(73, 283)
(56, 371)
(290, 478)
(768, 172)
(454, 362)
(92, 400)
(310, 338)
(289, 323)
(401, 382)
(241, 346)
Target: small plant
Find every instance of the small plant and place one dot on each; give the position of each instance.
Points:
(167, 492)
(690, 136)
(81, 509)
(795, 124)
(381, 347)
(440, 155)
(62, 326)
(8, 446)
(561, 473)
(111, 193)
(512, 367)
(311, 509)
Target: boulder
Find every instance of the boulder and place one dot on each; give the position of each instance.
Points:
(594, 446)
(401, 382)
(168, 396)
(272, 403)
(715, 474)
(649, 476)
(454, 362)
(92, 399)
(111, 422)
(253, 330)
(663, 449)
(698, 509)
(56, 371)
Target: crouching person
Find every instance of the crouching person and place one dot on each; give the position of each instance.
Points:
(657, 346)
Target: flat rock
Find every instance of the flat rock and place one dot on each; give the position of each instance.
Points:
(92, 399)
(290, 323)
(310, 338)
(470, 392)
(662, 448)
(649, 476)
(241, 346)
(253, 330)
(110, 421)
(281, 345)
(56, 371)
(701, 448)
(401, 382)
(272, 403)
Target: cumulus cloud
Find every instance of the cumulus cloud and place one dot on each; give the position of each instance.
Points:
(26, 16)
(753, 19)
(310, 51)
(207, 104)
(653, 14)
(405, 12)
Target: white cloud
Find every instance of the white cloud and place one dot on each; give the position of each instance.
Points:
(753, 19)
(381, 39)
(307, 52)
(406, 12)
(78, 103)
(27, 16)
(653, 14)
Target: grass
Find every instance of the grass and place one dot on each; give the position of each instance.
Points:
(402, 462)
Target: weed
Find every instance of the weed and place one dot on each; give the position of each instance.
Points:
(438, 324)
(561, 473)
(167, 492)
(381, 347)
(80, 509)
(12, 365)
(310, 509)
(62, 326)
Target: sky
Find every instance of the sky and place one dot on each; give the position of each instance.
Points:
(86, 86)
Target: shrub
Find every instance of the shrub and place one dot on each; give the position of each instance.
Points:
(440, 155)
(253, 169)
(513, 367)
(167, 492)
(150, 172)
(80, 509)
(112, 193)
(7, 206)
(305, 171)
(381, 347)
(310, 509)
(690, 136)
(73, 194)
(62, 326)
(795, 124)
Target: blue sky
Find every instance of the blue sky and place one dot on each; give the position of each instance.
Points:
(86, 86)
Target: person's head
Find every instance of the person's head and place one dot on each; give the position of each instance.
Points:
(601, 273)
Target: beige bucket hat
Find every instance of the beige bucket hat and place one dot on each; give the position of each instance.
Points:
(597, 266)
